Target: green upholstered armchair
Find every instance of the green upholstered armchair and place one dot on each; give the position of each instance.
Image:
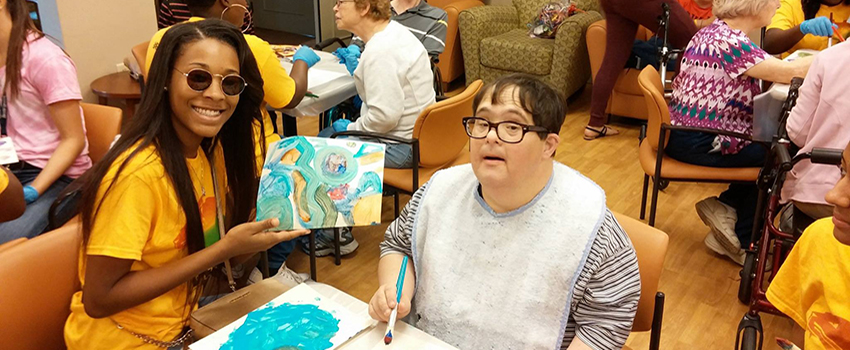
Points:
(495, 42)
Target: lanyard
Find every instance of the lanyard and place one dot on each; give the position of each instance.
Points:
(4, 108)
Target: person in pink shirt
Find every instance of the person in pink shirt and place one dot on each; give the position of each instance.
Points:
(40, 111)
(819, 120)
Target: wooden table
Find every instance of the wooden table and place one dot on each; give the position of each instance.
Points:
(119, 86)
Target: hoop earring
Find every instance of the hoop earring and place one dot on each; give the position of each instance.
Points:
(250, 18)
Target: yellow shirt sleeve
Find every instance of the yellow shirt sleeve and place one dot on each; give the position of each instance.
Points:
(278, 87)
(789, 15)
(123, 224)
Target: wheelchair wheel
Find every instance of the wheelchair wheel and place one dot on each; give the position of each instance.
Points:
(748, 274)
(749, 340)
(750, 335)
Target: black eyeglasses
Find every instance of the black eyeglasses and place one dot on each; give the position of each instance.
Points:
(199, 80)
(507, 131)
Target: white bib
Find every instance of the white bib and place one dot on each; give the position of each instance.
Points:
(501, 281)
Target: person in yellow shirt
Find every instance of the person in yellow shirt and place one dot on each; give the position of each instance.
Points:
(281, 90)
(150, 209)
(12, 203)
(806, 24)
(813, 284)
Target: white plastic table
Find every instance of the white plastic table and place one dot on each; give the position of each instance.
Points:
(329, 80)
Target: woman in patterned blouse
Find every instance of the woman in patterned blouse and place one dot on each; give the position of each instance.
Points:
(715, 87)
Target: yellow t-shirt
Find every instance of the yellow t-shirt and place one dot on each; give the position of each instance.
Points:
(790, 14)
(140, 220)
(278, 87)
(813, 285)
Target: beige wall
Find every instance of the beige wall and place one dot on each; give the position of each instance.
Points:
(98, 34)
(497, 2)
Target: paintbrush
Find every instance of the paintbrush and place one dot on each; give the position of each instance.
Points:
(835, 32)
(786, 344)
(399, 284)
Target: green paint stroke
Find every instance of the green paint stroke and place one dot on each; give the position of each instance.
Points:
(286, 326)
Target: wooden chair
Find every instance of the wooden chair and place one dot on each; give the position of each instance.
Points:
(103, 123)
(650, 247)
(652, 155)
(626, 98)
(12, 243)
(439, 141)
(450, 63)
(39, 277)
(140, 53)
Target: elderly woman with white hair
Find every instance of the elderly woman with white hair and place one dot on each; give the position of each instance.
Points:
(715, 87)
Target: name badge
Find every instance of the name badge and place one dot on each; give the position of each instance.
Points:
(7, 151)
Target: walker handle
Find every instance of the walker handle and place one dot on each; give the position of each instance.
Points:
(826, 156)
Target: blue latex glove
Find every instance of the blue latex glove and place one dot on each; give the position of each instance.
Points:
(349, 56)
(307, 55)
(353, 50)
(351, 63)
(341, 125)
(818, 26)
(30, 194)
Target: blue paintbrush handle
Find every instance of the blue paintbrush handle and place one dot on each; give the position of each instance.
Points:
(399, 284)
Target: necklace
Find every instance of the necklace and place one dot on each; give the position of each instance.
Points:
(201, 179)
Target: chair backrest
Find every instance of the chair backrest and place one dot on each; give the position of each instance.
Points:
(140, 53)
(656, 107)
(12, 243)
(102, 124)
(651, 248)
(439, 127)
(39, 277)
(596, 46)
(451, 60)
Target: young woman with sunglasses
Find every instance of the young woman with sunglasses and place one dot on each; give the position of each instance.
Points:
(40, 108)
(149, 210)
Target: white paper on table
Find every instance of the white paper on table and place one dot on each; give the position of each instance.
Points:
(350, 324)
(800, 54)
(7, 151)
(319, 77)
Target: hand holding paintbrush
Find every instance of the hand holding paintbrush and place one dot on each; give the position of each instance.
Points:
(399, 285)
(389, 303)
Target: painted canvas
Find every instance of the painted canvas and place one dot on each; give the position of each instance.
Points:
(298, 319)
(312, 182)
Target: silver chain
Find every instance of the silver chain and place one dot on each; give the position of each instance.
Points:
(156, 342)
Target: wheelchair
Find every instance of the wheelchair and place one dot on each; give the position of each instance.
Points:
(770, 245)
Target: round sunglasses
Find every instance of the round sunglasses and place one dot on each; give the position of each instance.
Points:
(200, 79)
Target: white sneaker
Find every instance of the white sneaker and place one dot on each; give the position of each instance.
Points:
(721, 218)
(255, 276)
(289, 277)
(712, 243)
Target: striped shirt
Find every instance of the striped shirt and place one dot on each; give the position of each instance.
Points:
(426, 22)
(606, 292)
(172, 12)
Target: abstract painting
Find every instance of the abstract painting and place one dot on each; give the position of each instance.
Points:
(298, 319)
(311, 182)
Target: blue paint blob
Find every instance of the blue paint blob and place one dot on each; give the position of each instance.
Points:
(286, 326)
